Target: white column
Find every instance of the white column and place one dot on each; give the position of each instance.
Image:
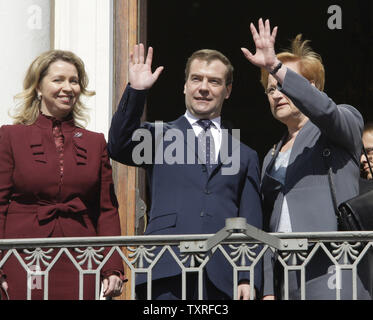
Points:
(86, 28)
(24, 34)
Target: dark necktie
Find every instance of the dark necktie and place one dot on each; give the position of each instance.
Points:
(206, 143)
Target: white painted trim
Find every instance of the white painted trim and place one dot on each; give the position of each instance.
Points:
(86, 28)
(25, 35)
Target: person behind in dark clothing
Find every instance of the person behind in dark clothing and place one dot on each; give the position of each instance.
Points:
(366, 161)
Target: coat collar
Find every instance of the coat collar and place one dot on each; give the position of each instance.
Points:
(46, 122)
(296, 149)
(78, 138)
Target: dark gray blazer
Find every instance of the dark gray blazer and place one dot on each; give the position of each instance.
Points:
(335, 127)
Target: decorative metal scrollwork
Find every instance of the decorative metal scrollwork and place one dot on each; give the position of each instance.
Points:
(346, 250)
(195, 259)
(89, 254)
(292, 258)
(140, 253)
(38, 256)
(243, 251)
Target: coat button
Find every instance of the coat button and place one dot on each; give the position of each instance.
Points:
(202, 214)
(207, 191)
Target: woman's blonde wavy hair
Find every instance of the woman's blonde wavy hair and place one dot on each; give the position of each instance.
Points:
(310, 62)
(28, 105)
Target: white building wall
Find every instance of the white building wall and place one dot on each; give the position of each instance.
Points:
(86, 28)
(82, 26)
(24, 34)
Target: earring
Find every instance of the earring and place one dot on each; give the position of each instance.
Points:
(39, 96)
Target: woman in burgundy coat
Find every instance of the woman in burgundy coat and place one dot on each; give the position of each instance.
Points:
(56, 180)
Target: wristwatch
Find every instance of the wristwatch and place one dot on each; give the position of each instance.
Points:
(274, 71)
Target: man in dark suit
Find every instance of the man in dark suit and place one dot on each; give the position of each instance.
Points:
(199, 175)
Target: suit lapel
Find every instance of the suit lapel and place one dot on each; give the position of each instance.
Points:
(228, 147)
(191, 144)
(275, 151)
(190, 139)
(298, 145)
(297, 149)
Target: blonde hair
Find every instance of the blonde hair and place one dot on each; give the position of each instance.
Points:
(310, 62)
(27, 109)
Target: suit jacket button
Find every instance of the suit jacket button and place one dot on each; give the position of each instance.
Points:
(202, 214)
(207, 191)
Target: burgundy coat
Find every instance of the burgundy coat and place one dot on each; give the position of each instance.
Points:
(33, 203)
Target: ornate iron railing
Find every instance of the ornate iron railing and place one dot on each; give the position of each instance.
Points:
(242, 245)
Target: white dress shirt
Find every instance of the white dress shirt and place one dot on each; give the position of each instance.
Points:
(215, 130)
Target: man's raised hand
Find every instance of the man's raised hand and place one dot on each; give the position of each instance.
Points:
(141, 76)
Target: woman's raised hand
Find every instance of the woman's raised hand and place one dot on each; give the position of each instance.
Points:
(265, 56)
